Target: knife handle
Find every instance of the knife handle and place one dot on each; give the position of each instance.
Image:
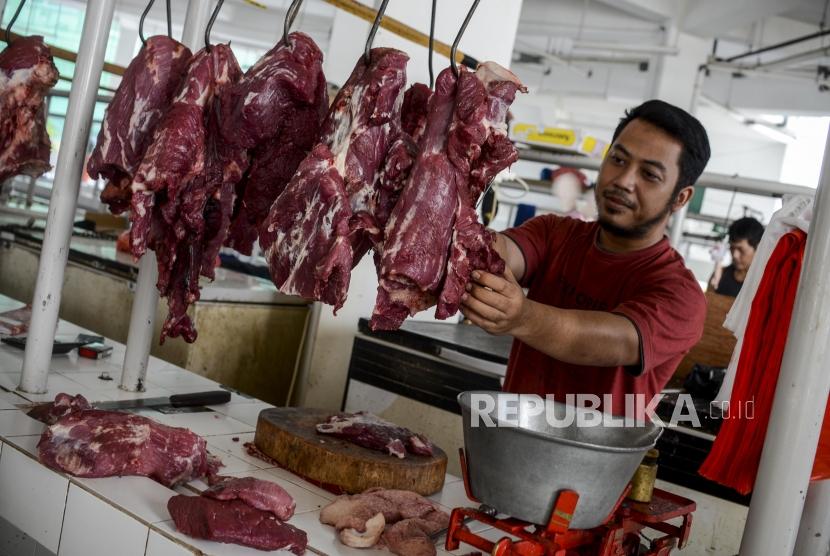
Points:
(213, 397)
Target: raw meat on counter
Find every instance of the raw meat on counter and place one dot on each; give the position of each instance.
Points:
(259, 494)
(27, 72)
(322, 223)
(399, 520)
(433, 240)
(234, 521)
(94, 443)
(370, 431)
(182, 191)
(146, 91)
(49, 413)
(274, 112)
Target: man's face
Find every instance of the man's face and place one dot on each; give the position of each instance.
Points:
(637, 180)
(742, 254)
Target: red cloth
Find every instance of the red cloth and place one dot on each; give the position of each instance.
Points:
(736, 452)
(651, 287)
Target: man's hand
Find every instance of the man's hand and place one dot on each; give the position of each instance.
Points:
(496, 304)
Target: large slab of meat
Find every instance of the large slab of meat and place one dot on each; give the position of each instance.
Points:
(433, 240)
(257, 493)
(325, 215)
(274, 112)
(182, 193)
(234, 521)
(27, 72)
(95, 443)
(398, 520)
(146, 91)
(370, 431)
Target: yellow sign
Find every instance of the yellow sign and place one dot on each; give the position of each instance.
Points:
(557, 136)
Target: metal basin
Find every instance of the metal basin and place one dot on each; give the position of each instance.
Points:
(520, 465)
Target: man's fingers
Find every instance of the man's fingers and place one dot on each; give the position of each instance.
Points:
(477, 319)
(489, 297)
(483, 309)
(495, 283)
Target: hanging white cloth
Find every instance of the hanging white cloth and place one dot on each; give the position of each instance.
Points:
(796, 213)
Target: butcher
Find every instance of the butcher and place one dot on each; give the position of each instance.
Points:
(610, 307)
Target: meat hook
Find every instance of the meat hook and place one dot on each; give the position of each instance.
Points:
(366, 53)
(169, 21)
(12, 20)
(141, 21)
(290, 16)
(431, 41)
(457, 40)
(211, 22)
(144, 16)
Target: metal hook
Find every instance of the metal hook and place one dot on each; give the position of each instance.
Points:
(141, 21)
(290, 16)
(12, 20)
(211, 22)
(431, 41)
(169, 21)
(457, 40)
(371, 38)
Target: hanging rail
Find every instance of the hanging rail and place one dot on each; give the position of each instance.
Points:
(70, 56)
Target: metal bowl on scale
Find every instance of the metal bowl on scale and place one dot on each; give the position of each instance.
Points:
(536, 449)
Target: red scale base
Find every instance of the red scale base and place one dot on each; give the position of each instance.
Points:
(618, 536)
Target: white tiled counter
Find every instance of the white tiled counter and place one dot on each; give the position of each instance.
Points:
(128, 516)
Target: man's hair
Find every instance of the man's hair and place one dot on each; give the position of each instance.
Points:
(746, 228)
(680, 125)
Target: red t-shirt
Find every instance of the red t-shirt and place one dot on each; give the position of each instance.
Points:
(565, 268)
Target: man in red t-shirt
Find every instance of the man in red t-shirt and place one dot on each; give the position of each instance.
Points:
(610, 306)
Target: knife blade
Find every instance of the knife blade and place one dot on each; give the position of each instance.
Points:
(195, 399)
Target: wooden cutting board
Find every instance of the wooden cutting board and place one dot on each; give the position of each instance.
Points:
(288, 435)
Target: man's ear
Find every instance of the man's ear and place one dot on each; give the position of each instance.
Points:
(683, 197)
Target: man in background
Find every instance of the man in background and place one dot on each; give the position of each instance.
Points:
(744, 237)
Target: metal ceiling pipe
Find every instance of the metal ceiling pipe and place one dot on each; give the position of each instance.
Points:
(145, 301)
(664, 50)
(795, 58)
(714, 181)
(67, 184)
(800, 398)
(776, 46)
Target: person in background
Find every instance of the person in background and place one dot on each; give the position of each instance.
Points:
(744, 237)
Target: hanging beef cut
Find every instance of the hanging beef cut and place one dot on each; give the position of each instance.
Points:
(183, 189)
(433, 240)
(234, 521)
(325, 215)
(95, 443)
(145, 93)
(27, 72)
(274, 112)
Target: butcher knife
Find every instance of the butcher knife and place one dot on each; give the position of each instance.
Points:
(195, 399)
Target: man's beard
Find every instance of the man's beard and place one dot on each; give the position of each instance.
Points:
(640, 230)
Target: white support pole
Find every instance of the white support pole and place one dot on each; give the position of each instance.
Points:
(800, 398)
(65, 188)
(143, 316)
(814, 532)
(676, 230)
(142, 325)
